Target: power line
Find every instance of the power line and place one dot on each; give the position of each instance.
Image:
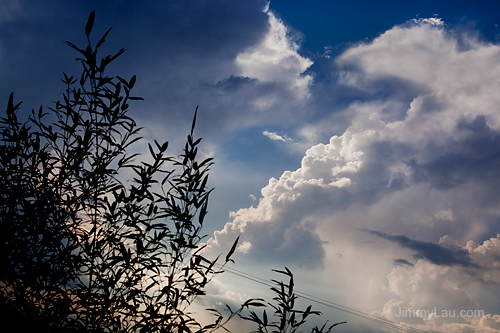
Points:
(327, 303)
(330, 304)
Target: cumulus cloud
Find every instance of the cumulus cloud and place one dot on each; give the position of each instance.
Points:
(420, 161)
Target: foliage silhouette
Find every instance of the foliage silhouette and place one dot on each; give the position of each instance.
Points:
(289, 319)
(81, 250)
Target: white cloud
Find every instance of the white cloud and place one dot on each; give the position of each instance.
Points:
(275, 136)
(244, 247)
(426, 169)
(275, 59)
(266, 7)
(432, 21)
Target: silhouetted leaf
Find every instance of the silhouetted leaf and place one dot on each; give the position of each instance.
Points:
(231, 251)
(194, 121)
(103, 38)
(90, 23)
(132, 82)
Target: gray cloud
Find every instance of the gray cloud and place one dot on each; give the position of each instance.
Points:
(476, 155)
(234, 83)
(435, 253)
(402, 262)
(286, 243)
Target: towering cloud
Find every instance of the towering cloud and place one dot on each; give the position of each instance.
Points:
(275, 59)
(417, 166)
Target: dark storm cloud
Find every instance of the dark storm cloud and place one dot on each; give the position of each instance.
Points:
(172, 47)
(435, 253)
(151, 29)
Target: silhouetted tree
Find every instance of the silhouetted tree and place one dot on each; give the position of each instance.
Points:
(82, 250)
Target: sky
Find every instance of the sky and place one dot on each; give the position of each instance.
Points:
(355, 142)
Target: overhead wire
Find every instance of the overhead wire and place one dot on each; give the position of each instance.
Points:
(327, 303)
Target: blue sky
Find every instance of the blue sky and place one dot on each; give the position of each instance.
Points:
(357, 143)
(338, 22)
